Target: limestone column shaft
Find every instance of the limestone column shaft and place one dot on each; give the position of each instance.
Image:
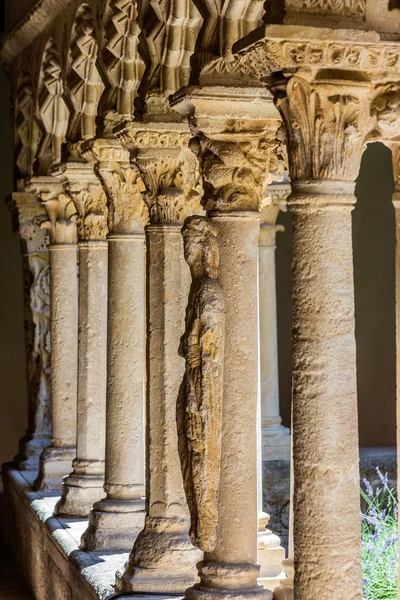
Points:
(275, 437)
(163, 558)
(28, 214)
(116, 520)
(85, 484)
(326, 497)
(56, 460)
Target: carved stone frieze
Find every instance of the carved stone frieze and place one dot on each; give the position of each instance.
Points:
(199, 407)
(60, 209)
(84, 80)
(123, 62)
(327, 128)
(351, 7)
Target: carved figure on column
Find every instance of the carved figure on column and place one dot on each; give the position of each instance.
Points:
(199, 407)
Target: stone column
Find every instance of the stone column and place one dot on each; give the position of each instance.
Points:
(275, 437)
(163, 558)
(85, 484)
(324, 162)
(115, 521)
(56, 460)
(28, 215)
(235, 166)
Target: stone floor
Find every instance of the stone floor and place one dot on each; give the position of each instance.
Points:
(12, 584)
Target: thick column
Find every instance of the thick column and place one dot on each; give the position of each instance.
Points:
(326, 477)
(116, 520)
(56, 460)
(163, 558)
(28, 215)
(275, 437)
(85, 484)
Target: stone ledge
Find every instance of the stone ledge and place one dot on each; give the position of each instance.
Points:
(46, 548)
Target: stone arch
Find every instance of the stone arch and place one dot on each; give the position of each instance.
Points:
(374, 278)
(85, 84)
(52, 111)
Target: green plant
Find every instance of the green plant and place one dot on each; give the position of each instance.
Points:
(379, 518)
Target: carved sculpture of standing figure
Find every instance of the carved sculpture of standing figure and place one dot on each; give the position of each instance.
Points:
(199, 407)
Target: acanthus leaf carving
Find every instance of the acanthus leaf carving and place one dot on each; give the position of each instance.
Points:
(199, 405)
(91, 207)
(385, 109)
(84, 81)
(62, 218)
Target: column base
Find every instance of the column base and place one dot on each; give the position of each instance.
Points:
(275, 443)
(270, 555)
(162, 560)
(226, 581)
(55, 464)
(30, 449)
(114, 525)
(285, 589)
(81, 489)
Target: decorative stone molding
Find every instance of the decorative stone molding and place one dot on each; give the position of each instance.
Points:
(199, 408)
(28, 216)
(342, 7)
(60, 209)
(27, 132)
(88, 197)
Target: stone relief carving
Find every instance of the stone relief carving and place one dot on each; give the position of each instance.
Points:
(123, 63)
(53, 111)
(234, 172)
(385, 107)
(62, 218)
(326, 130)
(199, 406)
(84, 80)
(26, 127)
(352, 7)
(91, 207)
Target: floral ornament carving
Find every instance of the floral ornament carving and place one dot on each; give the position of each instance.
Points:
(62, 218)
(234, 172)
(124, 186)
(326, 130)
(91, 207)
(26, 128)
(343, 7)
(53, 112)
(123, 63)
(199, 405)
(84, 81)
(385, 108)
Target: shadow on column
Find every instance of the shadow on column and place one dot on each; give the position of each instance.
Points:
(374, 278)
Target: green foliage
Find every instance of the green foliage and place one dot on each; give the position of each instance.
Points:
(379, 520)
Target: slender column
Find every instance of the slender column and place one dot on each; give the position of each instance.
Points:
(396, 203)
(28, 215)
(116, 520)
(324, 162)
(234, 168)
(85, 484)
(163, 558)
(56, 460)
(275, 437)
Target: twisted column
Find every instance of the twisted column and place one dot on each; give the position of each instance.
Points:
(28, 216)
(163, 558)
(56, 460)
(85, 484)
(116, 520)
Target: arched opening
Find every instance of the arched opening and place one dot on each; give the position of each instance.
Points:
(374, 278)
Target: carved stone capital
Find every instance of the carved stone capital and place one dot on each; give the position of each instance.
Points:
(275, 202)
(327, 128)
(385, 110)
(168, 169)
(88, 197)
(28, 216)
(123, 185)
(60, 209)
